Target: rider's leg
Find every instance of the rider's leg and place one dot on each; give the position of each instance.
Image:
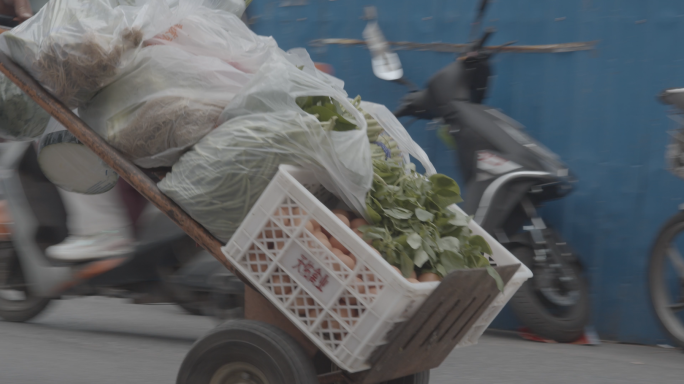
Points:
(99, 226)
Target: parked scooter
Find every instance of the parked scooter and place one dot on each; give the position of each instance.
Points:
(165, 267)
(508, 176)
(666, 264)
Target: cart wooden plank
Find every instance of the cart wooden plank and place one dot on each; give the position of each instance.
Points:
(127, 170)
(426, 339)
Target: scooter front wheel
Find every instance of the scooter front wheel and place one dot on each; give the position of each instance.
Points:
(562, 323)
(17, 302)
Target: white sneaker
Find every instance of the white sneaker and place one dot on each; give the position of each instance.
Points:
(97, 246)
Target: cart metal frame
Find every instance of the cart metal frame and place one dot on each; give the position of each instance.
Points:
(421, 343)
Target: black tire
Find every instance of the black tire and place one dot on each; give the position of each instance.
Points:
(24, 310)
(29, 305)
(538, 316)
(660, 299)
(245, 347)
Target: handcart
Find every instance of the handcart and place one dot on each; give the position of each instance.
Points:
(271, 342)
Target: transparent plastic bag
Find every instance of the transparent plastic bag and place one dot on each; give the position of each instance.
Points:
(393, 127)
(76, 47)
(220, 178)
(301, 59)
(20, 117)
(276, 87)
(221, 34)
(236, 7)
(165, 103)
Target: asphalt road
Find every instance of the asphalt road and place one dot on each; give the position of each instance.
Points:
(107, 341)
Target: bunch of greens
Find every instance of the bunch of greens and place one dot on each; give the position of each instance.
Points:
(220, 179)
(333, 117)
(416, 226)
(223, 176)
(328, 110)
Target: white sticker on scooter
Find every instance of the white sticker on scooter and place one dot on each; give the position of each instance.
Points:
(494, 164)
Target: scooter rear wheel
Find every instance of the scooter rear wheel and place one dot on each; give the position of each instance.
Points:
(563, 325)
(17, 303)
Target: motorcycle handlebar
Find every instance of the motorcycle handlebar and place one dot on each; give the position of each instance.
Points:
(8, 21)
(483, 6)
(488, 33)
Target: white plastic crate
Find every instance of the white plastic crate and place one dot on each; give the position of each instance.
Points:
(346, 313)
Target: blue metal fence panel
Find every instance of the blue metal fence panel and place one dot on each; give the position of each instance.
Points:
(596, 109)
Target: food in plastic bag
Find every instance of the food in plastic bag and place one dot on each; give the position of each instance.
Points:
(301, 59)
(218, 181)
(216, 33)
(75, 47)
(434, 241)
(393, 128)
(277, 87)
(72, 166)
(20, 117)
(165, 103)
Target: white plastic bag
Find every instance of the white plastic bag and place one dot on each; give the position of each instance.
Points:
(393, 127)
(20, 117)
(165, 103)
(276, 87)
(301, 59)
(236, 7)
(221, 34)
(220, 178)
(76, 47)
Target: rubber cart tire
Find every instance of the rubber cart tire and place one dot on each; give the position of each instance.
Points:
(246, 351)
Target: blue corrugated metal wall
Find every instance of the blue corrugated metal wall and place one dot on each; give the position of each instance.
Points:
(597, 110)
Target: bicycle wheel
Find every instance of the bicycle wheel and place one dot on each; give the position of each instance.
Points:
(666, 277)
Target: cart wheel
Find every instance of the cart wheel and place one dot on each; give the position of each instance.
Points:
(246, 352)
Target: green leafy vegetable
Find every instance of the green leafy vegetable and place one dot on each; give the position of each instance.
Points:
(420, 258)
(424, 215)
(414, 240)
(493, 273)
(326, 109)
(414, 220)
